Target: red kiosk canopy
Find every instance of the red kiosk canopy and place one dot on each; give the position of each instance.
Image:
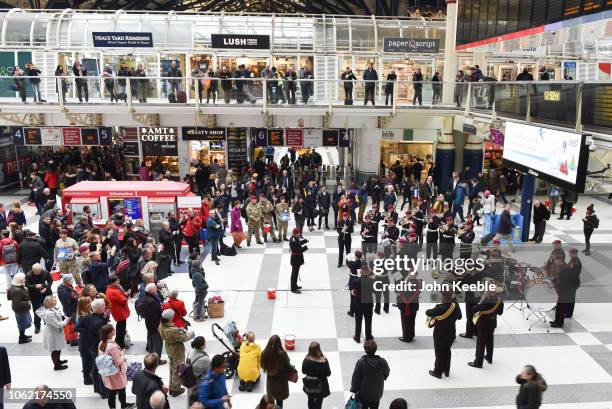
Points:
(125, 189)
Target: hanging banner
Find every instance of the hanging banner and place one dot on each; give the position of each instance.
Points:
(344, 138)
(294, 137)
(237, 151)
(89, 136)
(131, 148)
(127, 39)
(275, 137)
(330, 137)
(240, 41)
(71, 136)
(259, 136)
(51, 136)
(313, 138)
(106, 135)
(18, 135)
(194, 133)
(32, 136)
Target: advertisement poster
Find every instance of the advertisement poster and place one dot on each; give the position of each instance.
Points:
(32, 136)
(344, 138)
(330, 137)
(237, 151)
(102, 39)
(51, 136)
(131, 148)
(295, 137)
(275, 137)
(313, 138)
(554, 153)
(71, 136)
(497, 136)
(259, 136)
(569, 70)
(89, 136)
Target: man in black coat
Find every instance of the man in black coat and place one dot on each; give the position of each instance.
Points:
(370, 76)
(146, 382)
(487, 311)
(89, 331)
(505, 226)
(540, 215)
(575, 266)
(369, 376)
(297, 248)
(362, 289)
(30, 252)
(324, 202)
(38, 282)
(565, 281)
(150, 309)
(444, 316)
(345, 229)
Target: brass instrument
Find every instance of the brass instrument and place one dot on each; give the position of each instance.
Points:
(431, 321)
(490, 311)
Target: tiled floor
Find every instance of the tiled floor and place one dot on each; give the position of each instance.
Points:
(576, 361)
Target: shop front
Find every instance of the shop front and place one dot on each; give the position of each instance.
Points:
(159, 148)
(206, 145)
(493, 151)
(408, 146)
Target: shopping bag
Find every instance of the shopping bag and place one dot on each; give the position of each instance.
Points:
(70, 335)
(352, 403)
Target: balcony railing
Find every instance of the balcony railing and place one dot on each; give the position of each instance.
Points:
(570, 104)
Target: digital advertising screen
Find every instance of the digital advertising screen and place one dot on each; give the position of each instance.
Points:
(556, 156)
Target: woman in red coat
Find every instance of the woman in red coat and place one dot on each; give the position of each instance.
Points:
(120, 310)
(178, 307)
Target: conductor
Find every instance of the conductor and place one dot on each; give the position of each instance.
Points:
(297, 247)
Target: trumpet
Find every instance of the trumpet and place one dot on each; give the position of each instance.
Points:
(461, 229)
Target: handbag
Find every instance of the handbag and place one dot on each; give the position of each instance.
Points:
(293, 375)
(312, 385)
(203, 235)
(132, 369)
(352, 403)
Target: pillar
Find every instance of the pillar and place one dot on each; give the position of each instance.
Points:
(450, 55)
(472, 155)
(445, 155)
(367, 153)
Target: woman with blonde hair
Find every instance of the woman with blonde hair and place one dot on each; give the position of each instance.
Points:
(150, 267)
(53, 333)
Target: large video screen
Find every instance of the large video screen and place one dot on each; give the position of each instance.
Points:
(557, 156)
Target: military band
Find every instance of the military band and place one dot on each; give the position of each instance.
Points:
(484, 317)
(442, 318)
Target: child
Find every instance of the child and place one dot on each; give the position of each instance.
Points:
(200, 286)
(476, 209)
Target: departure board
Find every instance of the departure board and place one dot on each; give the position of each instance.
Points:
(572, 8)
(593, 6)
(603, 106)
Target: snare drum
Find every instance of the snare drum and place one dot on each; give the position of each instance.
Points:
(540, 297)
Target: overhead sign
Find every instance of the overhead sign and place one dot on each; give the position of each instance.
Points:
(313, 138)
(411, 45)
(469, 129)
(90, 136)
(556, 156)
(344, 138)
(259, 136)
(102, 39)
(158, 140)
(106, 135)
(71, 136)
(330, 137)
(131, 148)
(240, 41)
(32, 136)
(194, 133)
(51, 136)
(275, 137)
(18, 135)
(294, 137)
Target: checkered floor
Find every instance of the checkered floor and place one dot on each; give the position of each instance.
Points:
(576, 361)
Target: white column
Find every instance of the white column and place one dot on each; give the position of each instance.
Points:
(450, 55)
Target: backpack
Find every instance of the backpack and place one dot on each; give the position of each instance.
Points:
(11, 217)
(184, 371)
(9, 253)
(106, 366)
(595, 223)
(312, 385)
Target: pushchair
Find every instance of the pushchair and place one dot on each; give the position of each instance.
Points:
(232, 355)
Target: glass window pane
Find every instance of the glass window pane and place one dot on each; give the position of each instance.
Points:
(387, 31)
(40, 32)
(18, 30)
(363, 36)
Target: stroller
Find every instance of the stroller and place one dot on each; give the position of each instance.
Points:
(232, 355)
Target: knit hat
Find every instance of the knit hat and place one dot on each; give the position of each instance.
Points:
(168, 314)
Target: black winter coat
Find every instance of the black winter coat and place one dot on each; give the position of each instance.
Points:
(32, 280)
(319, 370)
(505, 223)
(540, 214)
(151, 312)
(89, 330)
(143, 386)
(29, 253)
(369, 378)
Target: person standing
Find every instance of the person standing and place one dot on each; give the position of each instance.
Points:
(81, 81)
(277, 366)
(200, 365)
(485, 316)
(267, 211)
(120, 309)
(21, 306)
(8, 256)
(33, 72)
(324, 202)
(362, 289)
(191, 224)
(391, 78)
(114, 383)
(38, 282)
(282, 215)
(417, 80)
(19, 83)
(575, 266)
(567, 203)
(146, 383)
(436, 87)
(151, 310)
(174, 339)
(316, 368)
(408, 304)
(590, 223)
(5, 375)
(200, 286)
(254, 220)
(370, 76)
(345, 230)
(299, 213)
(532, 387)
(236, 228)
(59, 73)
(64, 255)
(347, 77)
(505, 226)
(226, 84)
(297, 248)
(175, 84)
(289, 84)
(443, 317)
(215, 227)
(53, 333)
(540, 215)
(369, 376)
(142, 83)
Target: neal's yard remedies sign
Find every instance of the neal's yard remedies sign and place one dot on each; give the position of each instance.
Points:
(112, 39)
(411, 45)
(240, 41)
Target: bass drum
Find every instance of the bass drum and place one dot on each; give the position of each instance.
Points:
(540, 297)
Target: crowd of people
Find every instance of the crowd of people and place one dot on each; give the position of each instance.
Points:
(104, 270)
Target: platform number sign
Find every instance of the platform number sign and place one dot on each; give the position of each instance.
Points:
(106, 135)
(18, 138)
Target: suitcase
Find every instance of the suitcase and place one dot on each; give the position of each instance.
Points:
(172, 98)
(181, 97)
(348, 101)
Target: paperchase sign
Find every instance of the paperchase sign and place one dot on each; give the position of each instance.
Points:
(240, 41)
(411, 45)
(113, 39)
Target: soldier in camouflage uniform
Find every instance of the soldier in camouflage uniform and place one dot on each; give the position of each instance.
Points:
(254, 220)
(282, 215)
(267, 209)
(174, 338)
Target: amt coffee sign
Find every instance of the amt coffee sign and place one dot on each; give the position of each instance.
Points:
(157, 134)
(411, 45)
(240, 41)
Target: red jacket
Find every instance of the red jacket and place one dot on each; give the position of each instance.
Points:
(192, 226)
(51, 179)
(7, 241)
(179, 311)
(205, 212)
(119, 303)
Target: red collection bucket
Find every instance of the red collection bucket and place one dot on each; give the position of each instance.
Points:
(267, 228)
(56, 275)
(271, 293)
(290, 342)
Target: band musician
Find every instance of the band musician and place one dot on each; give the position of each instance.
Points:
(484, 317)
(443, 318)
